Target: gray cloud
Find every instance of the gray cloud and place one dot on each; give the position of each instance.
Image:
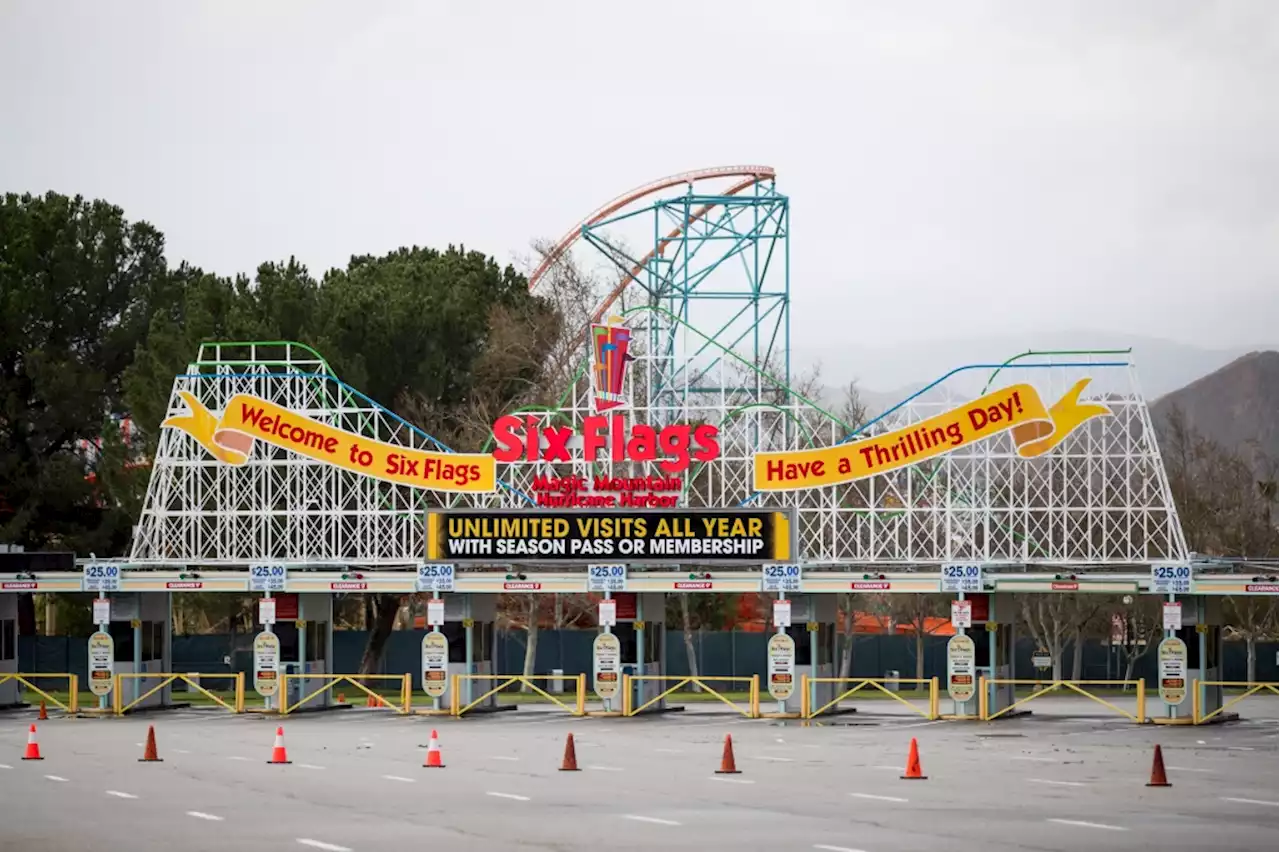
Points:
(984, 166)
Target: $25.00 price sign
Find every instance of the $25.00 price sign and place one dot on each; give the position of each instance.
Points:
(267, 578)
(435, 578)
(781, 578)
(962, 578)
(1171, 579)
(606, 578)
(100, 577)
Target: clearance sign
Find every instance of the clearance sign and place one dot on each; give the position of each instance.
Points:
(1036, 430)
(229, 437)
(727, 536)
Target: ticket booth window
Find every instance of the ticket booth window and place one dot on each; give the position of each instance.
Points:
(317, 644)
(652, 645)
(8, 639)
(822, 650)
(288, 633)
(122, 635)
(481, 640)
(626, 634)
(800, 634)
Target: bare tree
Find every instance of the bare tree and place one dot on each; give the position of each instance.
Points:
(1141, 623)
(918, 610)
(1251, 618)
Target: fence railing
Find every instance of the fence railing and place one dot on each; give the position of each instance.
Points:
(578, 708)
(1078, 686)
(71, 705)
(807, 711)
(1250, 687)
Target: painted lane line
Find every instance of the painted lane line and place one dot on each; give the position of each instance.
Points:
(509, 796)
(826, 848)
(670, 751)
(400, 778)
(1038, 759)
(236, 757)
(320, 844)
(5, 766)
(1188, 769)
(120, 795)
(202, 815)
(504, 757)
(888, 767)
(654, 820)
(606, 768)
(1082, 824)
(1249, 801)
(307, 766)
(181, 751)
(1058, 783)
(878, 798)
(55, 778)
(776, 759)
(1241, 748)
(732, 780)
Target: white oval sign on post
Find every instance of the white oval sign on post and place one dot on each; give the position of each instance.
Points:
(102, 660)
(606, 653)
(782, 666)
(266, 664)
(1173, 670)
(435, 664)
(961, 666)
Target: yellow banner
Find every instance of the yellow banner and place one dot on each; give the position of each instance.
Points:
(230, 438)
(1035, 431)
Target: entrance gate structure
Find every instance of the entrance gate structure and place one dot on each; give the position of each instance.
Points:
(708, 311)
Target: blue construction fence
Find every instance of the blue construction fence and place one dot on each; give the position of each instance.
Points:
(731, 654)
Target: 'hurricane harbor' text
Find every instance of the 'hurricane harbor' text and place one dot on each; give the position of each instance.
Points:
(607, 492)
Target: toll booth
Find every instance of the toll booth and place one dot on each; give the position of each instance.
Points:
(141, 629)
(994, 635)
(9, 694)
(642, 637)
(471, 629)
(1201, 632)
(304, 623)
(813, 629)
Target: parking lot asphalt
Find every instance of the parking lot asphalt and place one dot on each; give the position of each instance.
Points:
(1042, 782)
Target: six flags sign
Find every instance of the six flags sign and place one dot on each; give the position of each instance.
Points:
(229, 436)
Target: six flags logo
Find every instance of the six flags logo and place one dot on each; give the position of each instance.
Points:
(609, 345)
(674, 447)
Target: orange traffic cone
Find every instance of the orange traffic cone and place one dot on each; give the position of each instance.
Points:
(278, 754)
(727, 766)
(913, 763)
(342, 698)
(434, 758)
(570, 763)
(149, 753)
(1158, 778)
(44, 711)
(33, 747)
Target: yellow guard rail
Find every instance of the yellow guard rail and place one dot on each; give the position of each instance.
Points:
(1250, 687)
(1072, 685)
(806, 699)
(579, 707)
(406, 690)
(166, 678)
(753, 691)
(73, 688)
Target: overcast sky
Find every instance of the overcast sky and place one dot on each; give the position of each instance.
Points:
(956, 169)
